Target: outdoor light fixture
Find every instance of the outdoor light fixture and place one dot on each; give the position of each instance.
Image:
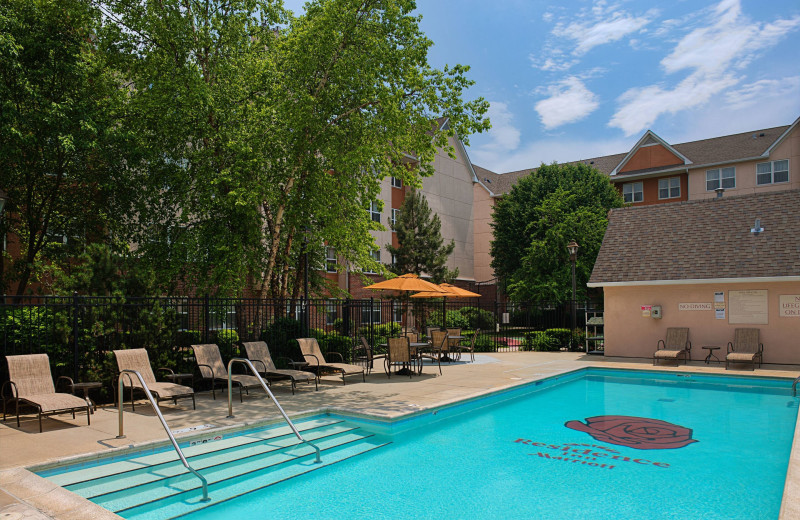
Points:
(572, 247)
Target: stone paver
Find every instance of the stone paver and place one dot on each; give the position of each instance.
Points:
(26, 495)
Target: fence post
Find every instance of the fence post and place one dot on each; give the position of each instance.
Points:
(207, 317)
(76, 357)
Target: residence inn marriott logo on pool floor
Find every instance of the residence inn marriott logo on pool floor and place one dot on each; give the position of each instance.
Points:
(633, 432)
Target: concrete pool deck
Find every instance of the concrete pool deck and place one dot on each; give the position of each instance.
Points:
(26, 495)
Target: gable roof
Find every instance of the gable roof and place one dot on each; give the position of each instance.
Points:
(701, 241)
(705, 152)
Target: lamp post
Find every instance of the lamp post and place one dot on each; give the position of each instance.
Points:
(572, 247)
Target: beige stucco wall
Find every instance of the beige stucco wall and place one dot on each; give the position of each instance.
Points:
(483, 205)
(746, 172)
(628, 334)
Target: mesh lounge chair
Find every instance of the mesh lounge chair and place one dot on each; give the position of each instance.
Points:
(677, 344)
(365, 355)
(209, 362)
(400, 354)
(258, 354)
(31, 382)
(137, 359)
(745, 348)
(316, 361)
(467, 348)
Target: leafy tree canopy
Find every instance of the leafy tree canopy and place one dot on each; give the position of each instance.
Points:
(534, 223)
(421, 247)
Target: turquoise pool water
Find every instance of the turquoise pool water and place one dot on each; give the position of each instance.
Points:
(600, 444)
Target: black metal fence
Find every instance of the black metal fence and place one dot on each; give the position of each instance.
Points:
(79, 332)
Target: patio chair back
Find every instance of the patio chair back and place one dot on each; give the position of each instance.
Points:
(430, 331)
(31, 373)
(399, 350)
(745, 341)
(259, 351)
(413, 337)
(208, 354)
(677, 338)
(135, 359)
(310, 348)
(438, 339)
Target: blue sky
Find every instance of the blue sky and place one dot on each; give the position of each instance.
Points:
(575, 79)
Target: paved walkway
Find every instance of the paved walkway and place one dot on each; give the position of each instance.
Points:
(25, 495)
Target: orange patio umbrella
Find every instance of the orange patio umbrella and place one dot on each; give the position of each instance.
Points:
(407, 283)
(451, 291)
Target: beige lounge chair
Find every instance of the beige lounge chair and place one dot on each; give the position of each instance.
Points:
(138, 359)
(316, 361)
(209, 362)
(677, 344)
(31, 382)
(745, 348)
(258, 354)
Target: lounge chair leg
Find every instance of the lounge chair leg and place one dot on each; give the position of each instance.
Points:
(194, 404)
(88, 418)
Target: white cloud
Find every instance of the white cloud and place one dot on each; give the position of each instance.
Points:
(752, 93)
(569, 101)
(500, 140)
(590, 34)
(712, 54)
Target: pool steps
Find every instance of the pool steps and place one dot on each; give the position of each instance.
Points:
(156, 486)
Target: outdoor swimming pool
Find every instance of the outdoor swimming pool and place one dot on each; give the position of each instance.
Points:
(596, 443)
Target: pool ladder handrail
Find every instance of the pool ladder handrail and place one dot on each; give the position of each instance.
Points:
(271, 395)
(794, 386)
(126, 373)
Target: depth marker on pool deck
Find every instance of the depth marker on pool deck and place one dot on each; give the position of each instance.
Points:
(194, 428)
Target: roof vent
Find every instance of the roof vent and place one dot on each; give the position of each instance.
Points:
(720, 191)
(487, 180)
(755, 136)
(591, 162)
(761, 134)
(757, 228)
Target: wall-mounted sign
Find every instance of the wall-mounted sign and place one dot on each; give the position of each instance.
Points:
(789, 306)
(695, 307)
(719, 305)
(748, 307)
(646, 311)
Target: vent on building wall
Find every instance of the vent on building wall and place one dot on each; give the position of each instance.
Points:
(757, 227)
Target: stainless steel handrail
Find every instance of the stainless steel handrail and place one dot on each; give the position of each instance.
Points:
(794, 386)
(122, 373)
(270, 394)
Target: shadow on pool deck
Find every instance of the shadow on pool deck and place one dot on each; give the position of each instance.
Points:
(65, 438)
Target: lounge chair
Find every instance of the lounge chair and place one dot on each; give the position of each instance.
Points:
(138, 359)
(459, 348)
(258, 354)
(316, 361)
(677, 344)
(400, 354)
(209, 362)
(31, 382)
(364, 355)
(745, 348)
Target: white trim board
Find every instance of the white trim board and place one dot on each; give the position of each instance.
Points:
(697, 281)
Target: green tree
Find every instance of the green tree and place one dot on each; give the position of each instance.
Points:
(534, 223)
(58, 134)
(257, 141)
(421, 247)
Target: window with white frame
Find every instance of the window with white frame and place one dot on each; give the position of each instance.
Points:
(632, 192)
(772, 172)
(395, 216)
(330, 259)
(376, 256)
(375, 211)
(182, 316)
(222, 317)
(375, 314)
(721, 178)
(669, 188)
(331, 311)
(397, 183)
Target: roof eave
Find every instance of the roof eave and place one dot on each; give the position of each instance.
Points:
(780, 139)
(697, 281)
(639, 144)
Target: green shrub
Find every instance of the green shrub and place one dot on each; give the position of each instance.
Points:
(336, 343)
(227, 339)
(478, 318)
(485, 344)
(338, 326)
(455, 320)
(540, 341)
(280, 334)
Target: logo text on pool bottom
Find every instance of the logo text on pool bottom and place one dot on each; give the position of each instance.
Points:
(591, 455)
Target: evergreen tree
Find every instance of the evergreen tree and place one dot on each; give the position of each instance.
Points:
(420, 249)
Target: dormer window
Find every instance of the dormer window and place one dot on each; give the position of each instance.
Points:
(633, 192)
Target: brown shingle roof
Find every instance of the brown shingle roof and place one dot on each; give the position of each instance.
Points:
(715, 150)
(702, 239)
